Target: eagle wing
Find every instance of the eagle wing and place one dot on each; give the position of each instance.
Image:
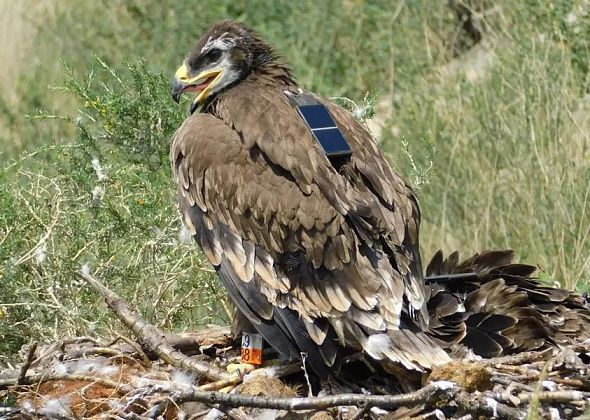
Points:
(377, 201)
(297, 245)
(394, 194)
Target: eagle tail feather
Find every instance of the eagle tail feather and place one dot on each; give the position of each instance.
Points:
(504, 309)
(315, 355)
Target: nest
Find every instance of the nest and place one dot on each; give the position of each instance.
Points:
(198, 375)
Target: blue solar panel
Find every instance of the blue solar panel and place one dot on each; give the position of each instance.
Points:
(332, 141)
(316, 116)
(324, 130)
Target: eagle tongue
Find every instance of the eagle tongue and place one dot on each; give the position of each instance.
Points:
(199, 88)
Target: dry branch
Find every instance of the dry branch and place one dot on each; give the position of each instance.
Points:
(25, 367)
(521, 358)
(553, 396)
(216, 336)
(153, 338)
(428, 394)
(480, 406)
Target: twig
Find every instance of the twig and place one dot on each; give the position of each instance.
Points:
(217, 385)
(533, 398)
(518, 369)
(553, 396)
(479, 406)
(217, 336)
(427, 394)
(133, 416)
(360, 413)
(274, 371)
(519, 359)
(235, 414)
(145, 361)
(200, 414)
(50, 351)
(84, 352)
(304, 368)
(56, 204)
(569, 382)
(509, 381)
(150, 335)
(25, 367)
(432, 415)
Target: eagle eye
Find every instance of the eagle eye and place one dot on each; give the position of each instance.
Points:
(213, 54)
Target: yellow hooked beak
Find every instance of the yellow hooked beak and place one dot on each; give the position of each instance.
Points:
(201, 84)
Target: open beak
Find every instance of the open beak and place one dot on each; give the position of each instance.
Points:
(201, 84)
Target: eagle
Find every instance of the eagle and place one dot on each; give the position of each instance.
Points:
(319, 250)
(318, 254)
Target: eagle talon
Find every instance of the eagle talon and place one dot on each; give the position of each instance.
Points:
(240, 368)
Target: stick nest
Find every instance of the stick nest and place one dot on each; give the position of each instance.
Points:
(197, 375)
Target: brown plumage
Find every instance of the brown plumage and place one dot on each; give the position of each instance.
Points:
(504, 310)
(317, 258)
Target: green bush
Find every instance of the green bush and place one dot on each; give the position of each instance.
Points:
(104, 199)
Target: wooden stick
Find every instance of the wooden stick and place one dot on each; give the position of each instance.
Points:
(429, 393)
(553, 396)
(217, 385)
(145, 361)
(25, 367)
(521, 358)
(479, 406)
(150, 335)
(360, 413)
(217, 336)
(235, 414)
(507, 380)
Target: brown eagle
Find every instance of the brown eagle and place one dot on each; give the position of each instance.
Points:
(316, 255)
(320, 254)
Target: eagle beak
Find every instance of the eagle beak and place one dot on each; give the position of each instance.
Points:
(202, 84)
(177, 89)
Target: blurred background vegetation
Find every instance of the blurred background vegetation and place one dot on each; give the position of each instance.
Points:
(484, 105)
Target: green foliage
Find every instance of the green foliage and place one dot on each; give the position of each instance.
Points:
(501, 158)
(104, 199)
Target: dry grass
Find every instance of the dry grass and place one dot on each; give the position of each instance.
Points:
(21, 22)
(514, 168)
(511, 125)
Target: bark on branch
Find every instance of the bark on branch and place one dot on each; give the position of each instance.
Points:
(150, 335)
(432, 392)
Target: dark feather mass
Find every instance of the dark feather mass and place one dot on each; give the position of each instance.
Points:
(504, 310)
(318, 258)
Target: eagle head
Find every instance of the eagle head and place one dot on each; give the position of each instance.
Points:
(225, 55)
